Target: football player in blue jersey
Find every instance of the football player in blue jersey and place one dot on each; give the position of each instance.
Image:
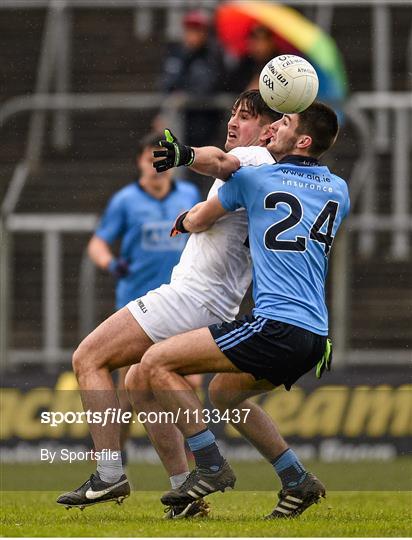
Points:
(140, 216)
(294, 208)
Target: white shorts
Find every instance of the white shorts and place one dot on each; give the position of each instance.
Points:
(166, 312)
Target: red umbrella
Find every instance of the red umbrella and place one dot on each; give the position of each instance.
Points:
(293, 34)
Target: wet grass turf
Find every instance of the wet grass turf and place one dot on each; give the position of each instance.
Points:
(359, 503)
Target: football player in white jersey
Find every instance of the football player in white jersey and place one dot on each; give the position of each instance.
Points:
(207, 287)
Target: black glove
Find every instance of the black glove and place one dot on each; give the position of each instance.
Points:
(175, 154)
(326, 361)
(119, 268)
(178, 226)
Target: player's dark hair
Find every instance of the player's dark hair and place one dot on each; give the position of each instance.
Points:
(253, 102)
(321, 123)
(151, 140)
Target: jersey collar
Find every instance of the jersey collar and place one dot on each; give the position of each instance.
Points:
(303, 161)
(173, 188)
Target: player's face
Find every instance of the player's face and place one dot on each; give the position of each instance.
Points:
(283, 136)
(244, 129)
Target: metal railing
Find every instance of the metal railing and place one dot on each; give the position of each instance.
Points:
(53, 226)
(397, 103)
(55, 62)
(12, 223)
(54, 73)
(55, 58)
(398, 107)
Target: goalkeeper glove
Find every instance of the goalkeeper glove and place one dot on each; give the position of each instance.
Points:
(174, 154)
(119, 268)
(178, 227)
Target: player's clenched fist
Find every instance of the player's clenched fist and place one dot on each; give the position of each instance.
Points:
(173, 154)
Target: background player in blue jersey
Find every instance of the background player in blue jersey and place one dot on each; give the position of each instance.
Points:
(295, 208)
(140, 216)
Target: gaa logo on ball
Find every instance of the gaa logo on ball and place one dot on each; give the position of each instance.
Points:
(288, 84)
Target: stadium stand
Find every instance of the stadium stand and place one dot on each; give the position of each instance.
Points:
(107, 56)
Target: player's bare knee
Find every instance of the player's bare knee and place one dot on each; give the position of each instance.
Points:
(151, 361)
(157, 365)
(144, 372)
(86, 358)
(137, 378)
(78, 361)
(137, 384)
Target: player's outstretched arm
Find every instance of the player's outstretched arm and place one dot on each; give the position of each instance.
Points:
(212, 161)
(207, 160)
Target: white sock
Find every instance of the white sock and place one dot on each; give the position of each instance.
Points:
(178, 479)
(110, 470)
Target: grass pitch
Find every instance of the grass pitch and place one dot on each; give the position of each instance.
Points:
(368, 514)
(237, 513)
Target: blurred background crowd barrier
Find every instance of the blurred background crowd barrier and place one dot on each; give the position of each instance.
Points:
(81, 81)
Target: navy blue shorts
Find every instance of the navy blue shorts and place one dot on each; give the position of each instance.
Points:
(276, 351)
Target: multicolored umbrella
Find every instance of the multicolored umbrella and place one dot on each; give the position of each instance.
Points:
(293, 34)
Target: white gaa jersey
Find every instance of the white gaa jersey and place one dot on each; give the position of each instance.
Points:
(215, 266)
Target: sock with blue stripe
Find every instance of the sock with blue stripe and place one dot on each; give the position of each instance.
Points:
(290, 470)
(205, 450)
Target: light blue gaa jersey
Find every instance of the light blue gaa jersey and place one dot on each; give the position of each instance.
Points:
(143, 224)
(294, 208)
